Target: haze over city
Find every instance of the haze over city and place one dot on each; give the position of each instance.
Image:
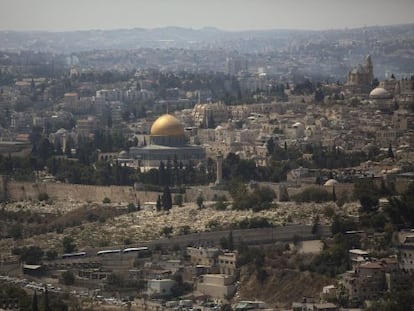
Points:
(222, 155)
(232, 15)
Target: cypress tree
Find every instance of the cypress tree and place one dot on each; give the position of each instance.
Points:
(166, 199)
(390, 152)
(159, 205)
(231, 242)
(34, 302)
(47, 306)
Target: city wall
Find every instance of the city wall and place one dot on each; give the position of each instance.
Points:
(17, 191)
(20, 191)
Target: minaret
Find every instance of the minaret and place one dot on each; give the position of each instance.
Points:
(219, 179)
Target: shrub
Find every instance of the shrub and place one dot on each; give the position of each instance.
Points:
(68, 278)
(313, 194)
(106, 200)
(254, 222)
(220, 205)
(178, 199)
(51, 254)
(167, 231)
(43, 196)
(131, 208)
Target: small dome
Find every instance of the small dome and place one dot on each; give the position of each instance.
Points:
(330, 182)
(167, 125)
(379, 93)
(61, 131)
(297, 124)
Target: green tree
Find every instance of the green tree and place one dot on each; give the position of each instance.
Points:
(11, 291)
(270, 145)
(35, 306)
(115, 280)
(159, 204)
(167, 231)
(68, 278)
(184, 230)
(341, 224)
(68, 244)
(390, 152)
(106, 200)
(315, 225)
(46, 300)
(43, 196)
(131, 208)
(226, 307)
(16, 231)
(166, 199)
(31, 255)
(230, 241)
(51, 254)
(401, 210)
(200, 201)
(313, 194)
(368, 203)
(178, 199)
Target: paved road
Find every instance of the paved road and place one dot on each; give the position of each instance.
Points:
(247, 236)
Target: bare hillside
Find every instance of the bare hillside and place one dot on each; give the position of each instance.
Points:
(282, 286)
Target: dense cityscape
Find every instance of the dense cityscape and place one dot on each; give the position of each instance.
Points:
(205, 170)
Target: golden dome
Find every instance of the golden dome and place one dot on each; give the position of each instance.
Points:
(167, 125)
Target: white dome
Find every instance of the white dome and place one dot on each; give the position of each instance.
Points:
(379, 93)
(297, 124)
(61, 131)
(123, 154)
(330, 182)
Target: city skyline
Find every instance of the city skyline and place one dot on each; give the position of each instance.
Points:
(231, 15)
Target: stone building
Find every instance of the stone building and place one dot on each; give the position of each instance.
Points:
(218, 286)
(210, 115)
(359, 79)
(406, 255)
(203, 256)
(366, 282)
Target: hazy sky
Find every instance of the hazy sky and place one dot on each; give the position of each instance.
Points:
(62, 15)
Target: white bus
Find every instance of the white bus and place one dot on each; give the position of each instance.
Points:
(74, 255)
(139, 251)
(108, 252)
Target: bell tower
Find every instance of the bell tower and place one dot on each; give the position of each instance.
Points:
(369, 69)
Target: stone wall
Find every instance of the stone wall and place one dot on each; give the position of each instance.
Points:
(17, 191)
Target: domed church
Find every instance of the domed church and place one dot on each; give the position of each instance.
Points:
(167, 143)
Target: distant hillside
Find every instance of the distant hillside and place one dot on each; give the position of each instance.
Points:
(177, 37)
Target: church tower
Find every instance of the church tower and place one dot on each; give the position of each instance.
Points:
(369, 69)
(219, 172)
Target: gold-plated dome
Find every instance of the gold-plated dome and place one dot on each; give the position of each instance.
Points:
(167, 125)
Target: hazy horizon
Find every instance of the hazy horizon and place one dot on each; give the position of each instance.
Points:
(229, 15)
